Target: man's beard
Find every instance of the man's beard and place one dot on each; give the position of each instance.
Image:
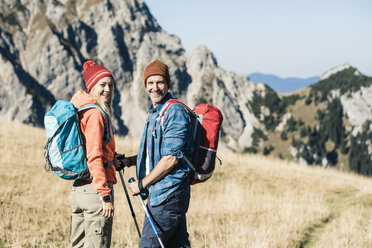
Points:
(156, 100)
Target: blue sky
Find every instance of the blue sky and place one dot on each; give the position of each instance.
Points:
(289, 38)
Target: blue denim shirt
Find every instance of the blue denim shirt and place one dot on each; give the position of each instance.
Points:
(174, 138)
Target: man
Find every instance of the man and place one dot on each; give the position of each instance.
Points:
(160, 166)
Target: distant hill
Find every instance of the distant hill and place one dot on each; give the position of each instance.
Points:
(283, 85)
(326, 124)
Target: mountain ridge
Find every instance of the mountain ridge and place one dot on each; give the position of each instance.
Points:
(58, 37)
(44, 44)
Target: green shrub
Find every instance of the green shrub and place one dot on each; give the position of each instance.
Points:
(283, 135)
(267, 150)
(257, 135)
(303, 132)
(291, 124)
(360, 159)
(291, 100)
(250, 150)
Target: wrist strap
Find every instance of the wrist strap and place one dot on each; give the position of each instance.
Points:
(140, 186)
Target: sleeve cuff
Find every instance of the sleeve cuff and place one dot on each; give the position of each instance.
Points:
(174, 152)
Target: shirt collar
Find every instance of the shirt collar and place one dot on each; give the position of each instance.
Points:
(160, 105)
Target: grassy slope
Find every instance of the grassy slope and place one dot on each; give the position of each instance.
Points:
(251, 201)
(308, 114)
(300, 110)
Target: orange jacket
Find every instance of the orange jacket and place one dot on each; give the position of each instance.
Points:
(93, 126)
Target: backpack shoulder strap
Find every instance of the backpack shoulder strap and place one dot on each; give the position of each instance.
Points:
(166, 106)
(88, 106)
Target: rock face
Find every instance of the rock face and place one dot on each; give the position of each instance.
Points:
(45, 43)
(358, 107)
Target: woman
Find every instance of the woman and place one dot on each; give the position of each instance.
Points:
(92, 199)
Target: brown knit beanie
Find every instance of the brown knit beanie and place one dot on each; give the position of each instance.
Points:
(157, 68)
(93, 73)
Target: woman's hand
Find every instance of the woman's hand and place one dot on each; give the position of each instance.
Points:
(107, 209)
(118, 161)
(121, 161)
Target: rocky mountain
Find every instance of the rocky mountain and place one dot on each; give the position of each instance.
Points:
(43, 45)
(283, 85)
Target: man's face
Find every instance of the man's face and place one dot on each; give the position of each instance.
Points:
(156, 88)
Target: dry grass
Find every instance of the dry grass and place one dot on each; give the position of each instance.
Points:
(251, 201)
(308, 116)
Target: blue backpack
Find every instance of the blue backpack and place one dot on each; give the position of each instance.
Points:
(65, 150)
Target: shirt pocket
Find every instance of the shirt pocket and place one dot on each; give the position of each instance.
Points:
(158, 138)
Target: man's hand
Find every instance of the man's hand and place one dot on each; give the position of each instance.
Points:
(108, 210)
(133, 187)
(163, 167)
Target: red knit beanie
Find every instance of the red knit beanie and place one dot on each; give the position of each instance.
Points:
(93, 73)
(157, 68)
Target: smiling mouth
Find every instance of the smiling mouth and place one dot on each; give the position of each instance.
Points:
(156, 93)
(106, 97)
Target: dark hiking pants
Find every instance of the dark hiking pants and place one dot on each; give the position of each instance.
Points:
(170, 221)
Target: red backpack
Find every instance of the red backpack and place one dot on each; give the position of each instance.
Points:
(206, 120)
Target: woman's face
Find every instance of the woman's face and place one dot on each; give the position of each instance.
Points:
(104, 89)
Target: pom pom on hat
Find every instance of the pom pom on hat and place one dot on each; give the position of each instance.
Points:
(88, 64)
(157, 68)
(93, 73)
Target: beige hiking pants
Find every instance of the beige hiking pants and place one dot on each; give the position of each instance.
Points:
(88, 227)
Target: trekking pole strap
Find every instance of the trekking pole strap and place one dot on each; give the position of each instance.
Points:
(109, 164)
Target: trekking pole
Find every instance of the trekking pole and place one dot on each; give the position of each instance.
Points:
(129, 203)
(148, 215)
